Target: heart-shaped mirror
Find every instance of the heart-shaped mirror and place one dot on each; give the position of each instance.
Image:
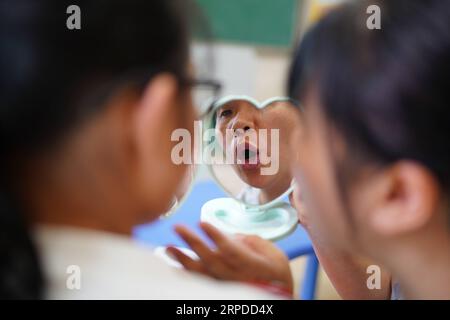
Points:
(248, 155)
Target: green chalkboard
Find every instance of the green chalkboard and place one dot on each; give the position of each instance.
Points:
(260, 22)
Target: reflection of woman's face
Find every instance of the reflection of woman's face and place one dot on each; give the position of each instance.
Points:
(240, 124)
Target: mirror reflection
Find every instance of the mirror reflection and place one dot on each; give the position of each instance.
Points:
(255, 137)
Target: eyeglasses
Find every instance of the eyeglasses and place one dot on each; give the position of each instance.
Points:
(204, 93)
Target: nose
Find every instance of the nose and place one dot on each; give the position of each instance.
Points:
(244, 120)
(242, 124)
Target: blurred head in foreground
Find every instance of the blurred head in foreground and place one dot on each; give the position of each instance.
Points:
(85, 121)
(376, 175)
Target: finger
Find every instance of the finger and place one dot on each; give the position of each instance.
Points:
(222, 262)
(215, 264)
(195, 243)
(251, 240)
(186, 261)
(291, 198)
(294, 197)
(258, 244)
(214, 269)
(219, 238)
(224, 243)
(234, 253)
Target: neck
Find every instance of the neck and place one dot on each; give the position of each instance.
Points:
(78, 186)
(423, 270)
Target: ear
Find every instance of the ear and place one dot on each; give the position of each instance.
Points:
(154, 107)
(408, 201)
(154, 119)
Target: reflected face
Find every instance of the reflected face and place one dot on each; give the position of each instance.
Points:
(257, 138)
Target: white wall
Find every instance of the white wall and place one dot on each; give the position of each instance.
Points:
(243, 69)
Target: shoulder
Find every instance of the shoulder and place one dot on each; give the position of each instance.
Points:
(91, 265)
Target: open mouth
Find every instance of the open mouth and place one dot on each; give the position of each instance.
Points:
(247, 156)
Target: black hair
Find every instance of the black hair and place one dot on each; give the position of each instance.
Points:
(386, 90)
(52, 78)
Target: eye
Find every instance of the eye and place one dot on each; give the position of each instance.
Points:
(225, 113)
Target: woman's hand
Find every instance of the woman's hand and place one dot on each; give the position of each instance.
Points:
(238, 258)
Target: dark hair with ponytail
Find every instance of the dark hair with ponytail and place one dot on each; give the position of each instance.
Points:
(52, 78)
(386, 90)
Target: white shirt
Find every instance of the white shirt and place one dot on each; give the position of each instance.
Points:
(115, 267)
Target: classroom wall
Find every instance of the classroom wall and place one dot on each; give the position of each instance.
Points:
(245, 69)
